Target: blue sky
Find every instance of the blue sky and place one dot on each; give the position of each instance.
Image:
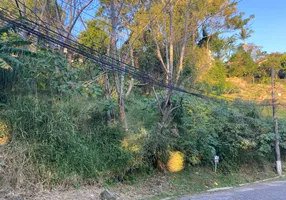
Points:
(269, 24)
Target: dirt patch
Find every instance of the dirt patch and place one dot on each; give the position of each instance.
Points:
(156, 185)
(191, 180)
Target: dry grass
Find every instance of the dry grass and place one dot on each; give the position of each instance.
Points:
(190, 180)
(17, 170)
(260, 93)
(147, 188)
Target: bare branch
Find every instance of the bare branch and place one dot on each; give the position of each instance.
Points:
(77, 16)
(184, 43)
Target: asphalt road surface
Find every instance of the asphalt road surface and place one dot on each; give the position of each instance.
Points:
(275, 190)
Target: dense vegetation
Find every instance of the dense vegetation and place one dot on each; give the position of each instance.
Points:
(67, 124)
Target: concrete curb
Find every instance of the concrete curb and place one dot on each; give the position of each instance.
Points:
(264, 180)
(239, 185)
(219, 189)
(244, 184)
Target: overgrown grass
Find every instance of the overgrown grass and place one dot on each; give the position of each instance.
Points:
(64, 140)
(67, 141)
(200, 179)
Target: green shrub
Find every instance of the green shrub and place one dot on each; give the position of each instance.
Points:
(215, 80)
(64, 140)
(70, 138)
(235, 133)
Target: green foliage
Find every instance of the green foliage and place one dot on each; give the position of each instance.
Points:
(221, 46)
(245, 33)
(44, 70)
(236, 133)
(65, 139)
(149, 62)
(137, 109)
(4, 64)
(60, 110)
(273, 60)
(238, 21)
(217, 77)
(282, 71)
(241, 64)
(282, 60)
(95, 36)
(215, 82)
(11, 48)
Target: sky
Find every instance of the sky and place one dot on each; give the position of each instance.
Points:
(269, 24)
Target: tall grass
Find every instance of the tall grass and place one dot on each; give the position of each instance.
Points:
(66, 138)
(66, 141)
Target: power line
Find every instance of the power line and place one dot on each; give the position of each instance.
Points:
(114, 54)
(106, 63)
(145, 26)
(75, 42)
(83, 46)
(93, 17)
(46, 24)
(74, 7)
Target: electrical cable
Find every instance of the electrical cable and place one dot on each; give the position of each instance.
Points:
(106, 63)
(113, 54)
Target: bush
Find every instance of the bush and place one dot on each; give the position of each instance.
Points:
(235, 133)
(64, 141)
(68, 140)
(215, 80)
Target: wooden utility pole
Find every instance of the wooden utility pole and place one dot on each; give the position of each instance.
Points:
(274, 107)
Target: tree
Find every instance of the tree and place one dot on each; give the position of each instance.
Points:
(282, 71)
(195, 23)
(241, 64)
(115, 11)
(217, 77)
(222, 46)
(244, 34)
(271, 61)
(95, 36)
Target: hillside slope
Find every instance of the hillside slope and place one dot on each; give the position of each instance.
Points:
(259, 93)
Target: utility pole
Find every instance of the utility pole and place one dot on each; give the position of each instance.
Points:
(274, 107)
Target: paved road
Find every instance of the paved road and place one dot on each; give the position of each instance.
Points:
(275, 190)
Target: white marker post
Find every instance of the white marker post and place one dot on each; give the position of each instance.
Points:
(216, 161)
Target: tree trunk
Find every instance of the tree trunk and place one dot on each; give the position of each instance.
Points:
(131, 84)
(107, 96)
(119, 80)
(24, 8)
(183, 50)
(107, 88)
(171, 44)
(166, 46)
(167, 105)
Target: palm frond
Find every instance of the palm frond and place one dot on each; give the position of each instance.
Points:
(4, 64)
